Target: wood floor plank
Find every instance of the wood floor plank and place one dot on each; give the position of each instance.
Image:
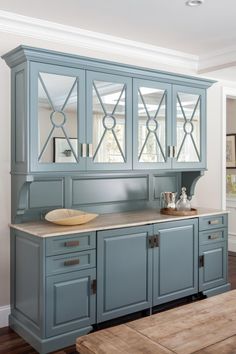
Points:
(228, 346)
(119, 340)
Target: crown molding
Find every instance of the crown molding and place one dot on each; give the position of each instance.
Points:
(50, 31)
(217, 60)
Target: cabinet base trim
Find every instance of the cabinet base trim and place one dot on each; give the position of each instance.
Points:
(47, 345)
(218, 290)
(4, 313)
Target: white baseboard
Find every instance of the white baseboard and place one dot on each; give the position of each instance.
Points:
(232, 242)
(4, 313)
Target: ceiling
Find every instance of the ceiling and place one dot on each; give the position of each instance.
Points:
(163, 23)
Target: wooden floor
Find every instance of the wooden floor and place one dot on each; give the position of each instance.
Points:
(11, 343)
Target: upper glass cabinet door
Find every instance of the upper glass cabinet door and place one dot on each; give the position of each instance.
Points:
(58, 108)
(109, 121)
(189, 134)
(152, 128)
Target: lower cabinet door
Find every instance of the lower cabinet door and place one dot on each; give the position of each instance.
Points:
(70, 303)
(124, 272)
(213, 267)
(175, 260)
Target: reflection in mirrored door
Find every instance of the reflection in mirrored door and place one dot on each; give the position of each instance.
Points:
(152, 116)
(188, 122)
(57, 118)
(109, 122)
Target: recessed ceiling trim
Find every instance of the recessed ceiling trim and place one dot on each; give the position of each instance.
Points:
(77, 37)
(217, 60)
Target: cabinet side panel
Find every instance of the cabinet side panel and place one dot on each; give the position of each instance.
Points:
(20, 116)
(27, 278)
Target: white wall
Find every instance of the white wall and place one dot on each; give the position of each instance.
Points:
(208, 190)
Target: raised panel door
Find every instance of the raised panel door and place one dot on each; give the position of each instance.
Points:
(70, 302)
(124, 272)
(213, 270)
(175, 260)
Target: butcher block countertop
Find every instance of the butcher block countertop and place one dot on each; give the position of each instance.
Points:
(207, 327)
(107, 221)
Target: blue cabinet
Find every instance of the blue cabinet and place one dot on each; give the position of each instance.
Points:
(189, 127)
(70, 301)
(213, 254)
(71, 113)
(124, 272)
(169, 126)
(175, 260)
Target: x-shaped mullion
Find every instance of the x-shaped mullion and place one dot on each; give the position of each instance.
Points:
(46, 91)
(105, 129)
(149, 118)
(68, 96)
(186, 120)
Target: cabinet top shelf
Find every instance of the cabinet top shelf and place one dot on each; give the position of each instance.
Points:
(108, 221)
(24, 53)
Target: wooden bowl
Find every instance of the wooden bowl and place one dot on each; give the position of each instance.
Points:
(69, 217)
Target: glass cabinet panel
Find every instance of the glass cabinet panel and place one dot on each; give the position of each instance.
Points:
(151, 119)
(57, 118)
(151, 125)
(190, 133)
(109, 116)
(188, 127)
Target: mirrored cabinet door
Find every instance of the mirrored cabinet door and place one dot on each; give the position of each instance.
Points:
(58, 127)
(152, 128)
(189, 133)
(109, 121)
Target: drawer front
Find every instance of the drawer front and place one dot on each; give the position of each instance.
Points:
(70, 243)
(70, 262)
(211, 236)
(212, 222)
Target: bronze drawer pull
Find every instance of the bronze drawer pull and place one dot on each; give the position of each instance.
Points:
(71, 243)
(213, 222)
(71, 262)
(213, 237)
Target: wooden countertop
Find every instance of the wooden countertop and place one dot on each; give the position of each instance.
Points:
(107, 221)
(207, 327)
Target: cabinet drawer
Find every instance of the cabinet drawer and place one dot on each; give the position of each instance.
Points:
(70, 243)
(70, 262)
(211, 236)
(212, 222)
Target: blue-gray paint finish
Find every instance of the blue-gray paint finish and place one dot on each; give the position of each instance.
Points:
(35, 69)
(168, 183)
(175, 260)
(214, 272)
(109, 189)
(124, 272)
(213, 222)
(70, 262)
(46, 193)
(47, 345)
(27, 281)
(211, 236)
(95, 76)
(70, 303)
(23, 53)
(202, 93)
(137, 84)
(70, 243)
